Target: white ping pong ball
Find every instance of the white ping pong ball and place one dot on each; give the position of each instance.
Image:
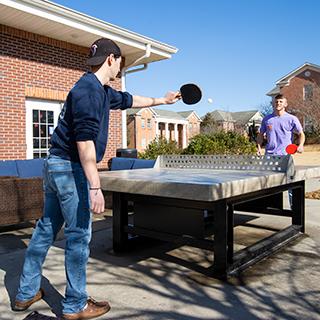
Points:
(210, 100)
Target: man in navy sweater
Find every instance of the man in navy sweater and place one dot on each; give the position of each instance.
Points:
(71, 180)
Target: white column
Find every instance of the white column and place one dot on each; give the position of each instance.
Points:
(166, 126)
(157, 129)
(123, 113)
(184, 136)
(176, 138)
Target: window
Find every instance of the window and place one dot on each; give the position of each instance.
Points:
(143, 123)
(143, 142)
(307, 92)
(149, 123)
(41, 119)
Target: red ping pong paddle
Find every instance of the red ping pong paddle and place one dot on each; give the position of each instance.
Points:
(291, 148)
(190, 93)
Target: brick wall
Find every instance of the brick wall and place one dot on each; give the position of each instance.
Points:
(294, 93)
(39, 67)
(193, 127)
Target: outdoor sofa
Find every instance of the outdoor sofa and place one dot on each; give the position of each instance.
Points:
(21, 190)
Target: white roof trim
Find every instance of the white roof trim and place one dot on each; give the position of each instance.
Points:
(286, 79)
(90, 27)
(170, 120)
(141, 109)
(193, 112)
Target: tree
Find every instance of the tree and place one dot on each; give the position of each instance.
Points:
(159, 146)
(208, 124)
(220, 143)
(266, 108)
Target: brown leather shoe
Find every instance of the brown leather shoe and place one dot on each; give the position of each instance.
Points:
(93, 309)
(24, 305)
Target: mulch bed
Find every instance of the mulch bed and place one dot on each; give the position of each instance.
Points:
(313, 195)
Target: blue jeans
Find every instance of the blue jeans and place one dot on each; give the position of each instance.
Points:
(66, 201)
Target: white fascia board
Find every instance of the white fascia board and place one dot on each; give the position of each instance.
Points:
(286, 79)
(57, 13)
(170, 120)
(193, 112)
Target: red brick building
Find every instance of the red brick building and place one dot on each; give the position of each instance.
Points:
(302, 89)
(144, 125)
(43, 49)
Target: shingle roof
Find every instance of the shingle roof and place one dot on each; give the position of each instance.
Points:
(185, 114)
(168, 114)
(273, 91)
(182, 115)
(132, 111)
(220, 115)
(243, 116)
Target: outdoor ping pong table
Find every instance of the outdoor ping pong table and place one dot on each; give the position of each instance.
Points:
(192, 199)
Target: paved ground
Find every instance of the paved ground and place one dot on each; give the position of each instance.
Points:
(153, 282)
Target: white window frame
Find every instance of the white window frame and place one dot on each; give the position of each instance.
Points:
(143, 143)
(37, 104)
(143, 123)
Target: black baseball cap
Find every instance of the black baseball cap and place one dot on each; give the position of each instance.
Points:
(100, 50)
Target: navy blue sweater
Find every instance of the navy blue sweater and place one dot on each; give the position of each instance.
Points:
(85, 116)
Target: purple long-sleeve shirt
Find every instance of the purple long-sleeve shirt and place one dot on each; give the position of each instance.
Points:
(279, 131)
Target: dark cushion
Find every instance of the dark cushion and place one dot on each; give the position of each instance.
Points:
(143, 163)
(30, 168)
(8, 168)
(118, 163)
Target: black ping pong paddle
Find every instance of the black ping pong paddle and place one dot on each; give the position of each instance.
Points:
(190, 93)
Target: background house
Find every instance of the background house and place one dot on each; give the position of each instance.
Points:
(246, 119)
(194, 122)
(223, 119)
(145, 124)
(43, 50)
(242, 121)
(302, 89)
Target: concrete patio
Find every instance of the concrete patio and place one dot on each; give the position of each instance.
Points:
(154, 280)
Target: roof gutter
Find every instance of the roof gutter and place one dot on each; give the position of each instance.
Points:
(124, 72)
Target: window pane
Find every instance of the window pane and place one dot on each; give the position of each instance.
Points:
(35, 115)
(43, 116)
(35, 143)
(44, 154)
(43, 132)
(50, 130)
(43, 143)
(35, 155)
(35, 130)
(50, 117)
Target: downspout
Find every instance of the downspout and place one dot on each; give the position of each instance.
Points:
(124, 72)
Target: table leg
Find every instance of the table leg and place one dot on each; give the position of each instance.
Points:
(120, 220)
(230, 232)
(298, 206)
(220, 239)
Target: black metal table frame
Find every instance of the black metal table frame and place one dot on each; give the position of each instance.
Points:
(226, 261)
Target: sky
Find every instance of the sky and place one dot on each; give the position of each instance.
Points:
(235, 50)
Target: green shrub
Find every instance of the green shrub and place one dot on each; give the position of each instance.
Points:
(159, 146)
(220, 143)
(313, 137)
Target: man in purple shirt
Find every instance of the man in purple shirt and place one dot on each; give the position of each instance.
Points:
(279, 128)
